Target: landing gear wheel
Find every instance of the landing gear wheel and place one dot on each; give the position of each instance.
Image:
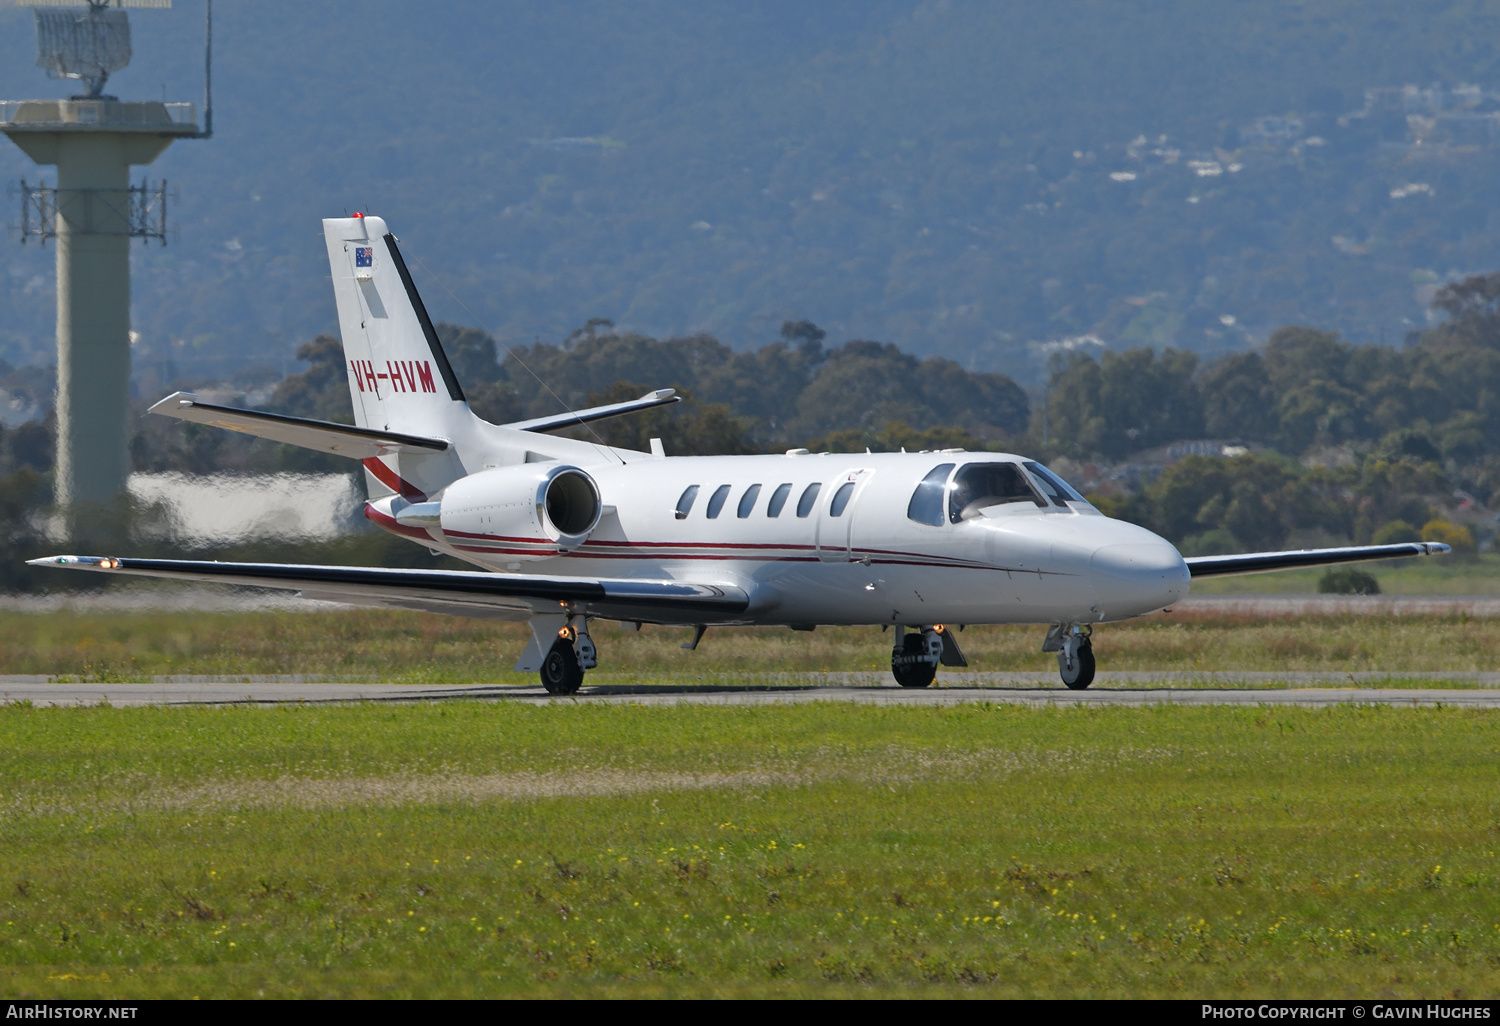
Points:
(561, 674)
(1078, 674)
(910, 668)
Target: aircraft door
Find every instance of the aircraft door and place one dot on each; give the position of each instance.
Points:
(836, 516)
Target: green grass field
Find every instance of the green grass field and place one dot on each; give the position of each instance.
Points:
(476, 849)
(413, 647)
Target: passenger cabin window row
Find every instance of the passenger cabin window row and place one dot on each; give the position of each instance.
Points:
(774, 506)
(978, 486)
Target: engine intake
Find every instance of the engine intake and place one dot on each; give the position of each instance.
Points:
(568, 505)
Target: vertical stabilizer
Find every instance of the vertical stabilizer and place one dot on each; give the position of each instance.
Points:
(399, 376)
(400, 379)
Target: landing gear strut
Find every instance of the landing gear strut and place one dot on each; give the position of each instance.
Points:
(572, 653)
(914, 659)
(1075, 654)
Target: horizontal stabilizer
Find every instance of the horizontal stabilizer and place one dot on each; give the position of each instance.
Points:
(661, 397)
(474, 593)
(1258, 562)
(325, 436)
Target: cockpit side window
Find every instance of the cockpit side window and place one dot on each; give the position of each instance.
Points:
(926, 506)
(686, 500)
(977, 486)
(1054, 487)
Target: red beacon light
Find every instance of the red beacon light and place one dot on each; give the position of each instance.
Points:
(358, 214)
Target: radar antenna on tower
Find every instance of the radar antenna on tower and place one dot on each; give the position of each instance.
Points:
(93, 212)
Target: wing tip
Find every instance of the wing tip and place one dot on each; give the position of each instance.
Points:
(77, 562)
(167, 404)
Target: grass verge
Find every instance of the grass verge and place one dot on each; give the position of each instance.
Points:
(419, 648)
(480, 849)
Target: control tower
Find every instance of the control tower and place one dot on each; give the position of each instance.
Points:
(93, 213)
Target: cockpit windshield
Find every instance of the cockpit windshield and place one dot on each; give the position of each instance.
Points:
(1052, 486)
(977, 486)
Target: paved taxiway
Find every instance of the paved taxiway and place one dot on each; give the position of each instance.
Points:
(1134, 689)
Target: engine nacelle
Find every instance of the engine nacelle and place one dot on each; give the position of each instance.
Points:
(522, 508)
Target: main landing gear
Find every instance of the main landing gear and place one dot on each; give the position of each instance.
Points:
(572, 653)
(1075, 653)
(915, 657)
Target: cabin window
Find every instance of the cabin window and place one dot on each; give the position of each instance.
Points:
(926, 506)
(980, 485)
(747, 501)
(716, 501)
(809, 496)
(841, 499)
(778, 499)
(685, 502)
(1052, 486)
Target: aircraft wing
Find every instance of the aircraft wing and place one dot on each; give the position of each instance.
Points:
(1258, 562)
(473, 593)
(323, 435)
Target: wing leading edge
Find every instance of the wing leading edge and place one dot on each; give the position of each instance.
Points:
(1258, 562)
(474, 593)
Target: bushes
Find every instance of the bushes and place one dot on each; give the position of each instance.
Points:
(1456, 535)
(1394, 533)
(1345, 580)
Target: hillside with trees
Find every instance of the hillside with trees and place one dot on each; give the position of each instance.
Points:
(983, 182)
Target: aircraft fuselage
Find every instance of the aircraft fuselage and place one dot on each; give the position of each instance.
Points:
(861, 559)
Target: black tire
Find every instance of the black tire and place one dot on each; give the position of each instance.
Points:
(911, 672)
(560, 672)
(1083, 674)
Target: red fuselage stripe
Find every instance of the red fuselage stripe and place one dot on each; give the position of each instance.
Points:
(389, 524)
(395, 482)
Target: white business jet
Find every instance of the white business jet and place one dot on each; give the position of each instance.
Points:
(568, 531)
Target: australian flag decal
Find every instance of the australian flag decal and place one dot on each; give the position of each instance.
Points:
(364, 256)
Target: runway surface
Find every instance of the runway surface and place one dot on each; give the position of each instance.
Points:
(1130, 689)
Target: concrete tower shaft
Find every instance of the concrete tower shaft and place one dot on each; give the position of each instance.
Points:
(93, 144)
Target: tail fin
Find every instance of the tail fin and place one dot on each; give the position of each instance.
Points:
(400, 381)
(399, 376)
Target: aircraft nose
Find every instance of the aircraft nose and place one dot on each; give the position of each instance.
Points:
(1138, 576)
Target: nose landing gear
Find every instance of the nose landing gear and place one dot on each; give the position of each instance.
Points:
(1075, 653)
(570, 655)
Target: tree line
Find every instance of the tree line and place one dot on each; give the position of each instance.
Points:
(794, 392)
(1436, 398)
(1349, 442)
(1352, 442)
